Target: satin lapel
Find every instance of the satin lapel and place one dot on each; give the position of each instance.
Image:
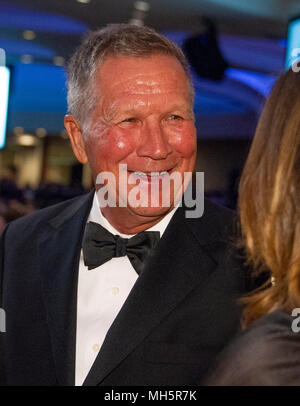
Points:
(171, 274)
(59, 253)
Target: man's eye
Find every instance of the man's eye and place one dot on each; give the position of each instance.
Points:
(175, 117)
(129, 120)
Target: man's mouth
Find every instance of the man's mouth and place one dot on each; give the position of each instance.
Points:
(150, 174)
(147, 178)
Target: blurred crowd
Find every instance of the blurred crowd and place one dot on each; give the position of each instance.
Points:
(16, 202)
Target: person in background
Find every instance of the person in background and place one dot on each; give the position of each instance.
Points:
(13, 202)
(268, 351)
(8, 185)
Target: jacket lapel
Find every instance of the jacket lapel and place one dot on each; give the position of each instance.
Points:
(170, 275)
(59, 253)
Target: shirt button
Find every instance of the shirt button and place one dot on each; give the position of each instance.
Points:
(115, 291)
(96, 347)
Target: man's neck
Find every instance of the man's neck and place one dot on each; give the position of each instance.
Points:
(127, 222)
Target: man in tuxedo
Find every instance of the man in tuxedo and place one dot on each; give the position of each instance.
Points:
(122, 294)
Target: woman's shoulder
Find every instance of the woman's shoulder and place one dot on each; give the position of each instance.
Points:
(273, 326)
(264, 354)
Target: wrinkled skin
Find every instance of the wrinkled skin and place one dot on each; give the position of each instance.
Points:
(144, 119)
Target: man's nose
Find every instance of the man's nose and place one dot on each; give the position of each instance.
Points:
(154, 142)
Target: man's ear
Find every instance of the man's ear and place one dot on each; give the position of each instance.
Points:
(76, 137)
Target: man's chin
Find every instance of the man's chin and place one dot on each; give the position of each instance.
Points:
(150, 211)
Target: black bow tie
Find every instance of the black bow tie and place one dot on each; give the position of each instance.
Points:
(99, 246)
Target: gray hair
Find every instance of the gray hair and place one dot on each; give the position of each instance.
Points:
(113, 40)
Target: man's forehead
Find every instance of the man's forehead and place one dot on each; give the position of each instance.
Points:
(150, 69)
(128, 76)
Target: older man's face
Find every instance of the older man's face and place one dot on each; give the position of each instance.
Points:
(144, 119)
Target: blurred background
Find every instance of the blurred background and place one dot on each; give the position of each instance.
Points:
(236, 49)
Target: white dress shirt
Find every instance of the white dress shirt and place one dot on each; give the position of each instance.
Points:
(101, 294)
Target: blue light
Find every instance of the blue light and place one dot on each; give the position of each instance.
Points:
(293, 45)
(206, 103)
(26, 19)
(261, 82)
(13, 47)
(4, 92)
(283, 42)
(38, 97)
(38, 88)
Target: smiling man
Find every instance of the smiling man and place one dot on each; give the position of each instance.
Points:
(122, 293)
(143, 118)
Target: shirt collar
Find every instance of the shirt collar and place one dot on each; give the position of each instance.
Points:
(97, 217)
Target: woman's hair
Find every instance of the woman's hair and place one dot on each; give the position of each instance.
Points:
(269, 202)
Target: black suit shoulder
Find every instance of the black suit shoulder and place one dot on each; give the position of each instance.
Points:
(219, 212)
(217, 223)
(19, 240)
(217, 231)
(45, 214)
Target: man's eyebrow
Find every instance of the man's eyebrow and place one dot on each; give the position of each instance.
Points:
(182, 107)
(129, 111)
(179, 107)
(174, 107)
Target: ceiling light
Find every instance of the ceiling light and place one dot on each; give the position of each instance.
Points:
(2, 57)
(59, 61)
(26, 140)
(84, 1)
(41, 132)
(18, 130)
(142, 6)
(135, 21)
(29, 35)
(26, 58)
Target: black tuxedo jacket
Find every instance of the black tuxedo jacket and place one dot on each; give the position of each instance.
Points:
(180, 313)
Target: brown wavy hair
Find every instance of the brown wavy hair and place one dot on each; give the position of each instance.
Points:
(269, 202)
